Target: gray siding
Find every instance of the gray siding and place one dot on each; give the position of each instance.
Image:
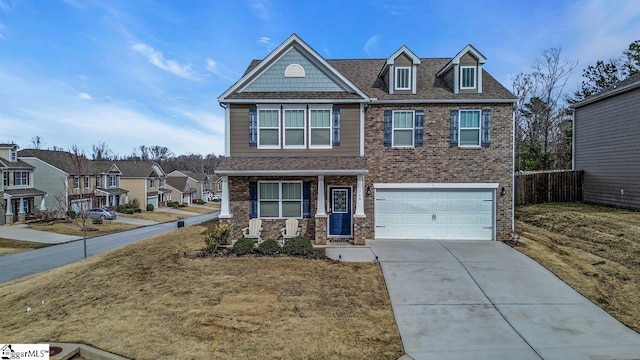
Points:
(273, 80)
(349, 135)
(607, 144)
(49, 179)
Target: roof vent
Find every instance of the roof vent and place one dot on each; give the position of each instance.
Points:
(294, 71)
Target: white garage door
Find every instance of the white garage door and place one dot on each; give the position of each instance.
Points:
(153, 200)
(442, 214)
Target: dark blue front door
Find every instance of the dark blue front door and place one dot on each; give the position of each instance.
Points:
(340, 218)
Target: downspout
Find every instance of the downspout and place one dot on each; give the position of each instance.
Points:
(513, 171)
(227, 123)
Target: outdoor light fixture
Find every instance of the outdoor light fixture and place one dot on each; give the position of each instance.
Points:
(368, 190)
(503, 192)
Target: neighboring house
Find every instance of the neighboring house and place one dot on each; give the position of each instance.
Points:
(182, 188)
(200, 181)
(145, 181)
(396, 148)
(74, 182)
(606, 138)
(19, 199)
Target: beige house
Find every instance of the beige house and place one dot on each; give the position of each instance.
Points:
(405, 147)
(19, 199)
(145, 181)
(183, 188)
(201, 182)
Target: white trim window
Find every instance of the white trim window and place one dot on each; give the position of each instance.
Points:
(152, 183)
(5, 178)
(320, 127)
(86, 182)
(403, 78)
(14, 156)
(76, 182)
(113, 181)
(469, 128)
(98, 181)
(269, 128)
(20, 178)
(467, 77)
(294, 127)
(280, 199)
(403, 125)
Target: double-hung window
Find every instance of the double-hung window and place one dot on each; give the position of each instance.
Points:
(402, 78)
(403, 128)
(5, 178)
(20, 178)
(98, 181)
(268, 128)
(152, 183)
(319, 127)
(294, 126)
(113, 181)
(76, 182)
(469, 128)
(280, 199)
(467, 77)
(86, 182)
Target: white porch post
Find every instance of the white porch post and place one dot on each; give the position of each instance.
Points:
(9, 205)
(320, 211)
(42, 205)
(224, 207)
(21, 207)
(360, 197)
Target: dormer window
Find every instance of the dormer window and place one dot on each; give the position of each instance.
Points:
(403, 81)
(14, 156)
(467, 77)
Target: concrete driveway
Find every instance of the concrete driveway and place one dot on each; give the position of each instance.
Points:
(484, 300)
(22, 232)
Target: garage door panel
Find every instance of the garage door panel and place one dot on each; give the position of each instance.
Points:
(465, 214)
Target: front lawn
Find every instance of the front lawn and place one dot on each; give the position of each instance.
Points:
(594, 249)
(8, 246)
(149, 301)
(75, 227)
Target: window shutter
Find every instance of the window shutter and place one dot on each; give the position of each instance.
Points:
(453, 136)
(253, 200)
(336, 128)
(388, 114)
(418, 128)
(486, 127)
(306, 199)
(253, 127)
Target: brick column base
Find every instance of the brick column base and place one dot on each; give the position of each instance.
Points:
(321, 230)
(8, 219)
(359, 230)
(22, 217)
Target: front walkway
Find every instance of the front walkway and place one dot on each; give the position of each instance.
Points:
(485, 300)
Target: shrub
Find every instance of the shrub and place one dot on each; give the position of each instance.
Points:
(268, 247)
(129, 211)
(149, 207)
(135, 203)
(137, 210)
(71, 214)
(300, 245)
(216, 237)
(243, 246)
(198, 201)
(175, 204)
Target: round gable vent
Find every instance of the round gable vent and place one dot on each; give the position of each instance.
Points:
(294, 70)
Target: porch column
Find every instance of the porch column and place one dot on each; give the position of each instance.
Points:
(8, 216)
(224, 207)
(360, 197)
(42, 206)
(320, 206)
(21, 207)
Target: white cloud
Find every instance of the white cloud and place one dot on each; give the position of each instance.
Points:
(84, 96)
(370, 45)
(266, 41)
(260, 10)
(156, 58)
(220, 70)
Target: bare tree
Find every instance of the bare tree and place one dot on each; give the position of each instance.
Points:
(101, 151)
(159, 153)
(82, 192)
(37, 142)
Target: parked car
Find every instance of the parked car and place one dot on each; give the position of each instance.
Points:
(214, 197)
(102, 214)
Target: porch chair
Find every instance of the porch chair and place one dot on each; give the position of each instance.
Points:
(290, 230)
(254, 230)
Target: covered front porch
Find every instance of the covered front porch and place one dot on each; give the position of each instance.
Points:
(111, 197)
(325, 194)
(20, 204)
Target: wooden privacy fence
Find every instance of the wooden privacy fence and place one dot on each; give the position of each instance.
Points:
(535, 187)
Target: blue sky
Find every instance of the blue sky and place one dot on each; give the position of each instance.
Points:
(143, 72)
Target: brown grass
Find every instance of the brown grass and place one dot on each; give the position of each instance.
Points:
(75, 227)
(594, 249)
(148, 301)
(8, 246)
(158, 216)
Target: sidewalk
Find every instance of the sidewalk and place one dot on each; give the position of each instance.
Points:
(23, 233)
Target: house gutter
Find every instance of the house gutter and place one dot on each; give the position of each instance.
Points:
(293, 101)
(446, 101)
(290, 172)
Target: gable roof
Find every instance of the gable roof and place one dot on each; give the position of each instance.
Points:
(180, 183)
(193, 175)
(293, 42)
(19, 164)
(630, 83)
(406, 51)
(138, 168)
(364, 75)
(62, 160)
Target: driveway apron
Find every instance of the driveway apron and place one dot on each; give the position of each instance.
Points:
(485, 300)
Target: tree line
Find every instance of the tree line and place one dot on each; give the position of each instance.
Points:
(542, 111)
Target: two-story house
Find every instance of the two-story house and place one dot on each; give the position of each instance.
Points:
(73, 181)
(201, 182)
(360, 149)
(145, 181)
(183, 188)
(18, 196)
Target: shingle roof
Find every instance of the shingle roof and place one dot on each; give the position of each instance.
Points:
(62, 160)
(135, 168)
(194, 175)
(627, 84)
(19, 164)
(180, 183)
(326, 165)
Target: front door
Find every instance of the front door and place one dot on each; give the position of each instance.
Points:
(340, 211)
